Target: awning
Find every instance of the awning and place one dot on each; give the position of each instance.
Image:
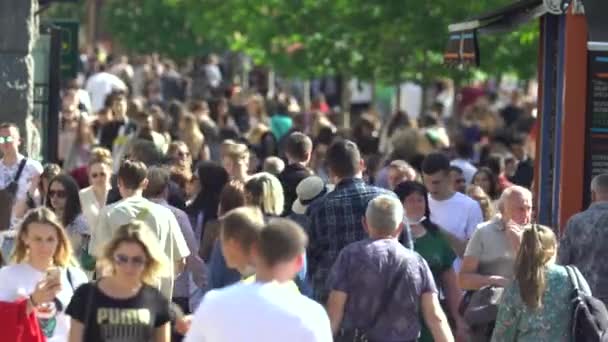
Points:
(463, 48)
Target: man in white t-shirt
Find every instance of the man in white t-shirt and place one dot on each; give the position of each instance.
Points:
(101, 85)
(266, 310)
(27, 180)
(454, 212)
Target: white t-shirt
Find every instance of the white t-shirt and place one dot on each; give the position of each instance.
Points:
(18, 281)
(460, 215)
(468, 169)
(101, 85)
(268, 312)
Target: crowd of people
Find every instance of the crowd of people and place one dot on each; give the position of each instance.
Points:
(191, 209)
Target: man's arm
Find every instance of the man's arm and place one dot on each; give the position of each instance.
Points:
(469, 279)
(435, 319)
(180, 248)
(335, 309)
(565, 250)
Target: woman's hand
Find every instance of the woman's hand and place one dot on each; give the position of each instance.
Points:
(45, 291)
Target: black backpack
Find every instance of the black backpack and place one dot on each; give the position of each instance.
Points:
(589, 314)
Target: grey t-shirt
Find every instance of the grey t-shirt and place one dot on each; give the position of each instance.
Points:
(489, 244)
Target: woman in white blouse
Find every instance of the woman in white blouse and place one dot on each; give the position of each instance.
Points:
(94, 197)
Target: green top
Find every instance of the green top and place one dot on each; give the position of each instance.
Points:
(550, 323)
(434, 248)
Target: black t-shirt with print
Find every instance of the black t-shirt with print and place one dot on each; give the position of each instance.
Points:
(109, 319)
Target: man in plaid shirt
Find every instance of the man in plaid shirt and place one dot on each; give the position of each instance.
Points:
(337, 220)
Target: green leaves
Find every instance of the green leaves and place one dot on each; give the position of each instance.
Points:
(383, 40)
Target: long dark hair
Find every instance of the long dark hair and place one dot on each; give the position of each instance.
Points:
(405, 189)
(538, 245)
(72, 200)
(212, 178)
(494, 192)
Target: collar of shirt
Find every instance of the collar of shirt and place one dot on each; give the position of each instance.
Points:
(19, 158)
(160, 201)
(349, 181)
(599, 206)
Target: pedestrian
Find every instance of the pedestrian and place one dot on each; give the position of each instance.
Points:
(157, 192)
(19, 177)
(40, 273)
(485, 202)
(125, 304)
(235, 159)
(432, 243)
(298, 149)
(273, 311)
(464, 153)
(459, 183)
(132, 180)
(379, 288)
(488, 182)
(264, 191)
(94, 197)
(336, 220)
(63, 200)
(451, 210)
(399, 171)
(537, 305)
(582, 244)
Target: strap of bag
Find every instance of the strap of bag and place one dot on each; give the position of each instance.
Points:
(386, 297)
(573, 277)
(20, 169)
(70, 280)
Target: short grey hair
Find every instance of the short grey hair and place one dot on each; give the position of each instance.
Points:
(599, 183)
(384, 214)
(511, 191)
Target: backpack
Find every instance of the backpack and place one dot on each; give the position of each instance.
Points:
(589, 314)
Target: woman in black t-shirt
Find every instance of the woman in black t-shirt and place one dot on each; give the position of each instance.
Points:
(124, 306)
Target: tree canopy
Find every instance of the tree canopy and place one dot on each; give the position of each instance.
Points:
(387, 40)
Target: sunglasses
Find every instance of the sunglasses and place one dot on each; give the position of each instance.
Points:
(5, 140)
(100, 174)
(183, 154)
(58, 193)
(137, 261)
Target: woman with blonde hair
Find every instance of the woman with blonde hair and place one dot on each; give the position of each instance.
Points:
(536, 306)
(41, 274)
(94, 197)
(485, 202)
(265, 191)
(235, 160)
(190, 133)
(256, 109)
(125, 305)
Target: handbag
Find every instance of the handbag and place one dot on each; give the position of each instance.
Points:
(7, 198)
(481, 310)
(360, 335)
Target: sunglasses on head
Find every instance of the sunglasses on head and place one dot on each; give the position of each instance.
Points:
(96, 174)
(58, 193)
(121, 259)
(8, 139)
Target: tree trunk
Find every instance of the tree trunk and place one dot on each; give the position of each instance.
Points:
(345, 101)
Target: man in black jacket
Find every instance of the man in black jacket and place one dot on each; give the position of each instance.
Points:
(298, 149)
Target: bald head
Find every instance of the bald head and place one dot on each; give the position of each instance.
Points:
(599, 188)
(516, 204)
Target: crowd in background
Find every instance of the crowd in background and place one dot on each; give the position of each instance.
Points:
(218, 174)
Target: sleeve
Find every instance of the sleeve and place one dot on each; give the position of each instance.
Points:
(475, 245)
(338, 279)
(98, 238)
(428, 282)
(320, 331)
(162, 313)
(180, 247)
(565, 251)
(313, 251)
(219, 274)
(77, 307)
(474, 220)
(508, 317)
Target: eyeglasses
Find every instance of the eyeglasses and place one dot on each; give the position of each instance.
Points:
(183, 154)
(58, 193)
(137, 261)
(6, 140)
(100, 174)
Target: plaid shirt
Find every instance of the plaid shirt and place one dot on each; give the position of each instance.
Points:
(336, 222)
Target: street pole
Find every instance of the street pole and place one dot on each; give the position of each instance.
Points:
(19, 27)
